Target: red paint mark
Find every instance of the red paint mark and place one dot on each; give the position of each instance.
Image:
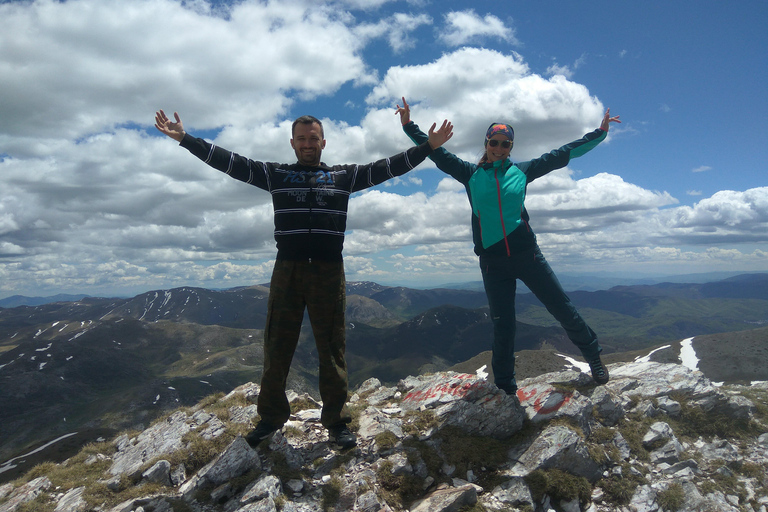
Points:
(457, 389)
(539, 404)
(540, 409)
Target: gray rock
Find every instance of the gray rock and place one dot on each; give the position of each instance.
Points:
(25, 493)
(178, 475)
(312, 415)
(237, 459)
(381, 395)
(374, 422)
(72, 501)
(670, 407)
(607, 409)
(447, 500)
(557, 447)
(659, 431)
(551, 402)
(239, 414)
(622, 445)
(267, 486)
(265, 505)
(368, 502)
(250, 390)
(369, 385)
(213, 428)
(682, 465)
(650, 379)
(553, 395)
(159, 473)
(93, 459)
(644, 499)
(222, 493)
(669, 453)
(467, 402)
(399, 464)
(280, 444)
(295, 485)
(719, 450)
(160, 439)
(201, 417)
(737, 407)
(513, 493)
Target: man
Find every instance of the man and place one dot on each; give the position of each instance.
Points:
(310, 201)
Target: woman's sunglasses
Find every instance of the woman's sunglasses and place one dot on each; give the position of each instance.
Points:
(506, 144)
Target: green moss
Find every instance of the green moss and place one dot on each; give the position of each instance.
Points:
(210, 400)
(753, 470)
(620, 489)
(293, 432)
(398, 491)
(633, 430)
(198, 451)
(472, 452)
(331, 493)
(427, 454)
(558, 485)
(760, 399)
(355, 410)
(569, 423)
(600, 454)
(601, 447)
(415, 422)
(42, 503)
(477, 507)
(725, 484)
(281, 468)
(693, 422)
(386, 440)
(302, 404)
(672, 498)
(75, 473)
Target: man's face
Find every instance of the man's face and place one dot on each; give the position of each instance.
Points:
(308, 143)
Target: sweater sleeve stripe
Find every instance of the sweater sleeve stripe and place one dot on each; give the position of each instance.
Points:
(267, 176)
(408, 161)
(354, 177)
(250, 173)
(210, 154)
(231, 162)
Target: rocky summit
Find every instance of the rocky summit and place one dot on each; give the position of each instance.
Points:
(657, 437)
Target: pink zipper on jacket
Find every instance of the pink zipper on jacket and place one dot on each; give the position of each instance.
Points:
(501, 212)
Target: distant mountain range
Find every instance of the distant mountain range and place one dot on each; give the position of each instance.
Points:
(20, 300)
(97, 364)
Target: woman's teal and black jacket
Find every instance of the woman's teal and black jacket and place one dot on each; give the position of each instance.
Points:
(497, 191)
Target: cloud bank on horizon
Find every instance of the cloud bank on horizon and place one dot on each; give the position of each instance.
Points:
(94, 200)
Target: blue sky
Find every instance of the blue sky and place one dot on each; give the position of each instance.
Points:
(95, 201)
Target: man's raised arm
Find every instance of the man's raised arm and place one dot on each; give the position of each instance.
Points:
(174, 130)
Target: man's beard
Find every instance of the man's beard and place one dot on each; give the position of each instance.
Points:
(309, 158)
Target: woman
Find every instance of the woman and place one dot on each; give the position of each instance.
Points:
(505, 242)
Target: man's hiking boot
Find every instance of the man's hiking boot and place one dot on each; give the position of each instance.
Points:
(260, 433)
(599, 371)
(510, 390)
(342, 437)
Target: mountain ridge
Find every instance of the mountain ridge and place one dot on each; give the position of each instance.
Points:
(113, 363)
(659, 436)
